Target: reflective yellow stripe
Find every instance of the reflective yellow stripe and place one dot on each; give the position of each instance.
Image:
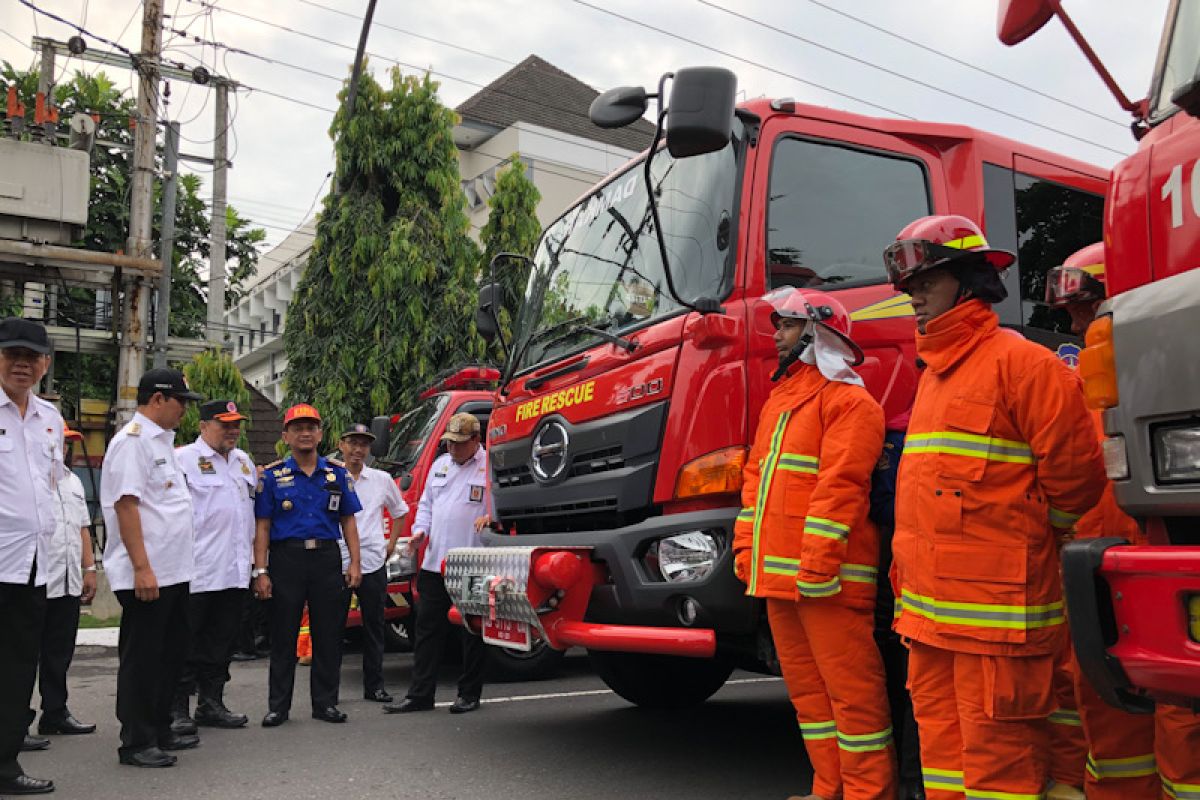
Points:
(983, 615)
(764, 489)
(969, 445)
(1104, 769)
(865, 742)
(822, 589)
(746, 515)
(812, 731)
(966, 243)
(1180, 791)
(778, 565)
(1063, 519)
(985, 794)
(859, 573)
(794, 462)
(897, 608)
(947, 780)
(1065, 716)
(819, 526)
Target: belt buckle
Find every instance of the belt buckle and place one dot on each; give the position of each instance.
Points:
(310, 544)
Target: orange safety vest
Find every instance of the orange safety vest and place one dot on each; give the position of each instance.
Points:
(803, 528)
(993, 462)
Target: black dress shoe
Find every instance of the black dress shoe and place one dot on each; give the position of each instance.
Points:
(379, 696)
(64, 725)
(274, 719)
(408, 705)
(464, 705)
(330, 714)
(31, 743)
(243, 656)
(23, 784)
(175, 741)
(147, 757)
(183, 725)
(214, 714)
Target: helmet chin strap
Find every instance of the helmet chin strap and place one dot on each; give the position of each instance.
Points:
(793, 355)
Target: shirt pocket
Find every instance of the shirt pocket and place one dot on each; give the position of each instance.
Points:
(963, 451)
(164, 477)
(795, 491)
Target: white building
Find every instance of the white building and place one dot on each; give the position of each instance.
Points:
(535, 111)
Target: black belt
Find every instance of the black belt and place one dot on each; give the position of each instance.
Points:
(305, 544)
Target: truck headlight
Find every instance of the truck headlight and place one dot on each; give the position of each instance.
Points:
(687, 557)
(1177, 452)
(1116, 460)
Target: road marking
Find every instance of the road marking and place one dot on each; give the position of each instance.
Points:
(590, 693)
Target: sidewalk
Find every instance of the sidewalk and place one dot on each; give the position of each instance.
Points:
(97, 637)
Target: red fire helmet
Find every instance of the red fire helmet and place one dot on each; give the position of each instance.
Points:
(819, 307)
(938, 241)
(1079, 279)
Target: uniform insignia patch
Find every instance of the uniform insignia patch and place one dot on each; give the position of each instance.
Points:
(287, 505)
(245, 467)
(1068, 353)
(135, 429)
(883, 464)
(206, 466)
(330, 477)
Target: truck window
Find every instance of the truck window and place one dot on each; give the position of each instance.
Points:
(1182, 56)
(833, 209)
(410, 433)
(1053, 221)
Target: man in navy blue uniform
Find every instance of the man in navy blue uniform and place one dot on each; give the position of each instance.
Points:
(304, 505)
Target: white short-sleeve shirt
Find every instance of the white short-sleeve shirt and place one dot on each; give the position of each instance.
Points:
(140, 463)
(376, 491)
(63, 566)
(30, 466)
(222, 515)
(455, 495)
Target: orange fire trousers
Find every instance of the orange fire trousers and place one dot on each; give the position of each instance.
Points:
(1068, 747)
(835, 679)
(1138, 756)
(983, 722)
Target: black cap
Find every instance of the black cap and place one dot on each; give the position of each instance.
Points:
(17, 332)
(358, 429)
(221, 411)
(168, 381)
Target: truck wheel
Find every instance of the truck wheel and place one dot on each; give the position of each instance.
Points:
(541, 662)
(656, 681)
(397, 633)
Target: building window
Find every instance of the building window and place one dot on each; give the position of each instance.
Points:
(241, 345)
(833, 209)
(275, 322)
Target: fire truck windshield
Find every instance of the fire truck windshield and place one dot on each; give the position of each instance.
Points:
(1181, 60)
(410, 432)
(599, 265)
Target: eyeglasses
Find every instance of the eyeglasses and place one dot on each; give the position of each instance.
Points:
(905, 258)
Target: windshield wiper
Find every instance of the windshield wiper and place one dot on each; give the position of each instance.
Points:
(620, 341)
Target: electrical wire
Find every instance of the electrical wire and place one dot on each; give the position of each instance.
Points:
(78, 28)
(894, 73)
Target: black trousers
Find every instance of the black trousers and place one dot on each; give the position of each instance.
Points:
(300, 576)
(253, 632)
(152, 647)
(372, 599)
(432, 629)
(22, 607)
(214, 618)
(58, 648)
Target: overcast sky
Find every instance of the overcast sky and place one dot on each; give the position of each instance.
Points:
(282, 152)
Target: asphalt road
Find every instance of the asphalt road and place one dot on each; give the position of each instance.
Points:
(562, 738)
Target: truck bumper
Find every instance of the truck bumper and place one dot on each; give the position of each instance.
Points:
(1135, 621)
(605, 596)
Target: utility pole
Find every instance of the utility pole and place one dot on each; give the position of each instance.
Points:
(45, 88)
(170, 189)
(216, 255)
(135, 307)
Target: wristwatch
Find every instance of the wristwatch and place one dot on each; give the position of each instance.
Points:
(90, 569)
(254, 573)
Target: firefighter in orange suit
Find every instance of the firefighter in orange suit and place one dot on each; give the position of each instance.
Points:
(1130, 756)
(989, 476)
(803, 541)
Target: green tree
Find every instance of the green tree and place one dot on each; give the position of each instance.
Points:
(387, 295)
(214, 375)
(512, 227)
(92, 375)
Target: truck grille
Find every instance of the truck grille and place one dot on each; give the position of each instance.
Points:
(603, 460)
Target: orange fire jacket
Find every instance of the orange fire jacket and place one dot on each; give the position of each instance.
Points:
(995, 459)
(803, 529)
(1107, 518)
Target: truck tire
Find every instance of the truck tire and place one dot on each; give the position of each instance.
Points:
(507, 665)
(656, 681)
(398, 633)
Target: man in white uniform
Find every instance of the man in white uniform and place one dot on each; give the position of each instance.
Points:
(452, 511)
(31, 434)
(70, 582)
(148, 560)
(221, 479)
(376, 542)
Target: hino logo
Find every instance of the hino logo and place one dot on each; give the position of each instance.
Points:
(548, 457)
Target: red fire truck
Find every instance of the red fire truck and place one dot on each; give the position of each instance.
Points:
(642, 353)
(1135, 611)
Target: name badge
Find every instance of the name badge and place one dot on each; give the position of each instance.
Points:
(476, 493)
(335, 502)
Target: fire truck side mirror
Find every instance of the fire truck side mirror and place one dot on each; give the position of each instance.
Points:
(619, 107)
(1017, 20)
(382, 428)
(406, 481)
(700, 114)
(487, 320)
